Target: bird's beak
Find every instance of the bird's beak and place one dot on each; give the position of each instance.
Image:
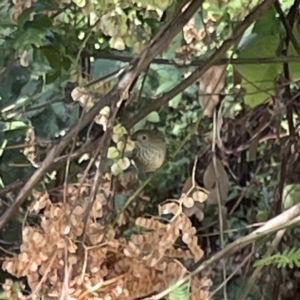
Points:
(131, 140)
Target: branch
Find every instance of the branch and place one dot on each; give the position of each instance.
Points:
(288, 26)
(198, 62)
(163, 38)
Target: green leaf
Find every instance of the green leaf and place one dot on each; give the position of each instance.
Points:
(175, 101)
(25, 16)
(181, 292)
(153, 23)
(268, 24)
(168, 77)
(140, 124)
(259, 81)
(116, 169)
(262, 216)
(47, 124)
(52, 56)
(112, 153)
(289, 257)
(42, 5)
(40, 21)
(40, 63)
(174, 45)
(103, 67)
(30, 37)
(164, 74)
(177, 128)
(52, 76)
(13, 125)
(67, 116)
(66, 63)
(153, 117)
(124, 163)
(2, 126)
(165, 87)
(291, 195)
(39, 6)
(120, 200)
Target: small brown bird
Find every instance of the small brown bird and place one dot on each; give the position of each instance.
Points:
(150, 149)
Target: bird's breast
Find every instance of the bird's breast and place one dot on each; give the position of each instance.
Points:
(149, 158)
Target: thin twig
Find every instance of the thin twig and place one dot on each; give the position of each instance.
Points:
(198, 62)
(288, 27)
(220, 206)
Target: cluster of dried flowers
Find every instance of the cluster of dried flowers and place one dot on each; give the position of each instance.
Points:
(57, 261)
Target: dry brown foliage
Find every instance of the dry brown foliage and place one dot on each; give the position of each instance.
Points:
(57, 263)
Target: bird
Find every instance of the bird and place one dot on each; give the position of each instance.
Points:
(150, 149)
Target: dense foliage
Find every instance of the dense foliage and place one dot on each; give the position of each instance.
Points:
(219, 79)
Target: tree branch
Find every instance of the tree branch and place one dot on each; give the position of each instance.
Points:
(198, 62)
(288, 27)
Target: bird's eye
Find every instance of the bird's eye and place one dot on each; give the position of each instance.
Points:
(144, 137)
